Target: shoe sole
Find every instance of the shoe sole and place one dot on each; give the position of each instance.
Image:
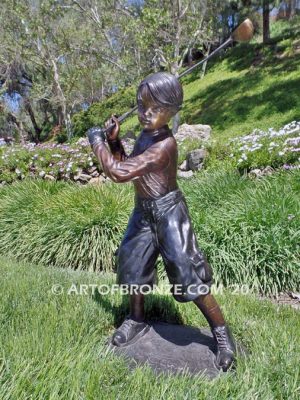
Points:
(134, 339)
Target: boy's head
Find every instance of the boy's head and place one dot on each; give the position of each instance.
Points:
(159, 98)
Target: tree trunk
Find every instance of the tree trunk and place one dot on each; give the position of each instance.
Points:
(292, 8)
(62, 109)
(30, 112)
(266, 21)
(205, 63)
(19, 126)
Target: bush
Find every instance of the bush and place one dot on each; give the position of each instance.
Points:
(249, 230)
(62, 225)
(98, 113)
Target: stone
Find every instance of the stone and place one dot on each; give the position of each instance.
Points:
(185, 174)
(175, 349)
(82, 178)
(128, 145)
(95, 174)
(255, 173)
(49, 177)
(195, 159)
(96, 181)
(258, 173)
(267, 170)
(183, 166)
(92, 169)
(199, 131)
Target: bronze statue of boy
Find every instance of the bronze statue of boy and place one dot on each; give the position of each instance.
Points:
(160, 221)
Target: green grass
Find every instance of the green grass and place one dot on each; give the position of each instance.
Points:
(62, 224)
(248, 229)
(53, 346)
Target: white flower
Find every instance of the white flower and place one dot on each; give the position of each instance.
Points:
(281, 153)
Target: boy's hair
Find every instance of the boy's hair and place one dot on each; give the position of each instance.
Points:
(164, 89)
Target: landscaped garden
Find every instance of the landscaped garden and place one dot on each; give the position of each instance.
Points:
(58, 232)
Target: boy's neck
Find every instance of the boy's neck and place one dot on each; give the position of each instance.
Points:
(154, 132)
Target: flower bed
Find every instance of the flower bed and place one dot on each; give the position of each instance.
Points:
(267, 148)
(49, 161)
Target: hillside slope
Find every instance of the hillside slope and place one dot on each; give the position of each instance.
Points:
(250, 86)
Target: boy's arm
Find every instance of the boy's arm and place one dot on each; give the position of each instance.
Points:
(153, 159)
(117, 149)
(113, 140)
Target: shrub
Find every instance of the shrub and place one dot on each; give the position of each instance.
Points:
(98, 113)
(62, 225)
(249, 230)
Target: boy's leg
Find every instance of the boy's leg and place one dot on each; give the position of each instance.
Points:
(137, 311)
(209, 307)
(136, 259)
(186, 265)
(221, 332)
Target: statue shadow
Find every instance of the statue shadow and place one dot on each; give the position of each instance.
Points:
(182, 335)
(157, 308)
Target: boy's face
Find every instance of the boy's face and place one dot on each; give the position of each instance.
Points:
(152, 116)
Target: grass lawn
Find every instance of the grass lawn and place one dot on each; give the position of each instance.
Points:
(53, 346)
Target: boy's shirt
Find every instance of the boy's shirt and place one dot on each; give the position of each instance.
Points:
(152, 165)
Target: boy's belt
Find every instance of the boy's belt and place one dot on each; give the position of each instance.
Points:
(161, 203)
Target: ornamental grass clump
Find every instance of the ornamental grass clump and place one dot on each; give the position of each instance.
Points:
(58, 224)
(249, 229)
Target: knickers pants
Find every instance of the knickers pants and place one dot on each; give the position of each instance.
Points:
(163, 226)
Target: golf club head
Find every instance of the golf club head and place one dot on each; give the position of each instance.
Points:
(244, 32)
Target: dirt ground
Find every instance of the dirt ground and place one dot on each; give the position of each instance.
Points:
(286, 299)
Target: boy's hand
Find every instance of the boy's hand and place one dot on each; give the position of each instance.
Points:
(95, 135)
(113, 133)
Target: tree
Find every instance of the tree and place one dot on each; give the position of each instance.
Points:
(266, 21)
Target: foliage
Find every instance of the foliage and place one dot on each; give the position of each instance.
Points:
(250, 87)
(248, 229)
(61, 225)
(58, 161)
(98, 113)
(261, 149)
